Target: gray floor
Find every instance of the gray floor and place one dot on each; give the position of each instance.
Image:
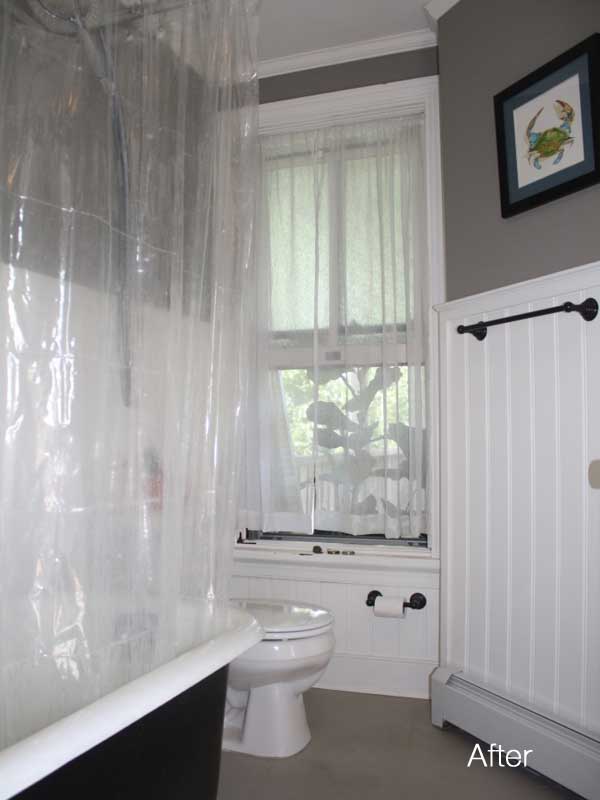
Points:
(368, 747)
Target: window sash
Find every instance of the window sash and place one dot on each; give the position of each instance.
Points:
(353, 355)
(336, 330)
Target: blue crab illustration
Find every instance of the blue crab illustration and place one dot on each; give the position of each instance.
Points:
(551, 142)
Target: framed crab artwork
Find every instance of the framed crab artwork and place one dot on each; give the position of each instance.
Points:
(548, 130)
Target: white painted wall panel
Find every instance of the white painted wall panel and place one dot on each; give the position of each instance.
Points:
(498, 509)
(590, 553)
(520, 421)
(454, 400)
(372, 654)
(520, 525)
(572, 479)
(477, 492)
(542, 591)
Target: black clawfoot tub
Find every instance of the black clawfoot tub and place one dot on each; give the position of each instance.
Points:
(158, 737)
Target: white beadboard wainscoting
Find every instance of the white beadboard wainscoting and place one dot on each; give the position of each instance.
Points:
(373, 654)
(520, 525)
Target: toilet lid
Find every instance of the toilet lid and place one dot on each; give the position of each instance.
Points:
(286, 619)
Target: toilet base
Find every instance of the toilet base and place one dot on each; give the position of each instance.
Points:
(274, 724)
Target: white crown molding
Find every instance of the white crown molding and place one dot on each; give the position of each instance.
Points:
(356, 51)
(436, 9)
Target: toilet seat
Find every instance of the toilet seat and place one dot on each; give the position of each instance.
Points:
(284, 619)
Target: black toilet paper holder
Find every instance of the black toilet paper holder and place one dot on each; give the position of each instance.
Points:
(416, 600)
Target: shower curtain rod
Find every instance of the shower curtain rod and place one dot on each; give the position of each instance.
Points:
(588, 310)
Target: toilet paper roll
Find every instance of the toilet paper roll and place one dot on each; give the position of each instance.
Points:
(389, 607)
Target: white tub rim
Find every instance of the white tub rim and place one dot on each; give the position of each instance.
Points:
(36, 756)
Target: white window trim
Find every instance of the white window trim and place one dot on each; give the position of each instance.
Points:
(385, 101)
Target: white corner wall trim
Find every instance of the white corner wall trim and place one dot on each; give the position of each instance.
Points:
(565, 756)
(342, 54)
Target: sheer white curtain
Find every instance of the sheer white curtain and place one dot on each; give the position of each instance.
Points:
(337, 406)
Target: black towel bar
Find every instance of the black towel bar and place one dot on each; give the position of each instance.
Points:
(588, 310)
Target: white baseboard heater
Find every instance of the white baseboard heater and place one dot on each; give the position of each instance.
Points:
(558, 752)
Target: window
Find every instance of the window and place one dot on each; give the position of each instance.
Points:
(346, 270)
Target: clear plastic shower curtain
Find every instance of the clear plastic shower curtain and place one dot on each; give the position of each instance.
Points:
(126, 191)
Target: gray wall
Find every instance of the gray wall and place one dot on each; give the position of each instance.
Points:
(384, 69)
(484, 46)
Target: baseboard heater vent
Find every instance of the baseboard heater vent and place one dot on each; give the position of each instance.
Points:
(562, 754)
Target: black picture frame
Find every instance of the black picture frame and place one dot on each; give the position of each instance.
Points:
(582, 61)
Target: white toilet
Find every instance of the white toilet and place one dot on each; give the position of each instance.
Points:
(265, 713)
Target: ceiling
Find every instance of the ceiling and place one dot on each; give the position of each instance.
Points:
(288, 27)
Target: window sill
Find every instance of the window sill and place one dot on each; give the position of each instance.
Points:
(374, 558)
